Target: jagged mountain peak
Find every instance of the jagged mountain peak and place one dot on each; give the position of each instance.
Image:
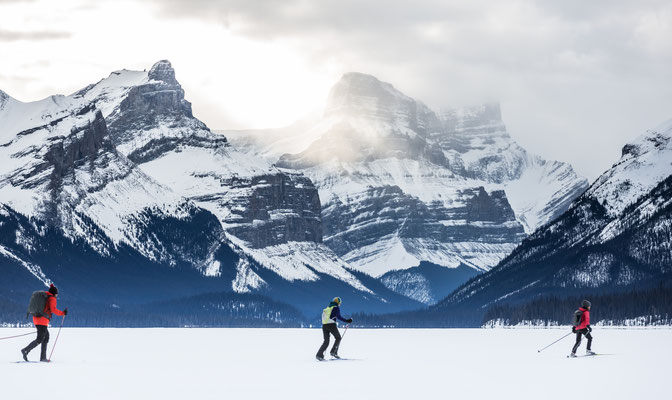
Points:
(652, 140)
(361, 95)
(163, 71)
(364, 84)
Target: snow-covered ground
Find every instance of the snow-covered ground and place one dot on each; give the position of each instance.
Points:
(382, 364)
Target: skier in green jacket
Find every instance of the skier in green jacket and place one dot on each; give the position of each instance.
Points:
(329, 327)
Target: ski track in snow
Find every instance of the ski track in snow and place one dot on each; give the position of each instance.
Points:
(165, 364)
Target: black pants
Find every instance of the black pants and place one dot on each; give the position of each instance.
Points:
(579, 333)
(42, 338)
(328, 329)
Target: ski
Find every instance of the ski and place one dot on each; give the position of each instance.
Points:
(585, 355)
(336, 359)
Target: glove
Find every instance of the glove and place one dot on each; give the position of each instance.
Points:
(349, 320)
(65, 312)
(589, 328)
(573, 329)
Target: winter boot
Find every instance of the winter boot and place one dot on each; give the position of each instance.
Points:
(590, 353)
(335, 356)
(572, 355)
(43, 349)
(319, 358)
(24, 353)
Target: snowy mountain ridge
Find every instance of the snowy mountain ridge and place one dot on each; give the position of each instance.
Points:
(644, 163)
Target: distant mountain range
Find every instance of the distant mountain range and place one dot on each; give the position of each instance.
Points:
(404, 188)
(130, 204)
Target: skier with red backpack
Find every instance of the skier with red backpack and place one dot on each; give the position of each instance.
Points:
(582, 328)
(42, 306)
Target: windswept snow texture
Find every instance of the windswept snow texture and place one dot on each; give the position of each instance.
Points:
(400, 183)
(279, 364)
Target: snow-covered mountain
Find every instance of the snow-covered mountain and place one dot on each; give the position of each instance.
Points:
(616, 236)
(258, 205)
(59, 166)
(123, 168)
(401, 184)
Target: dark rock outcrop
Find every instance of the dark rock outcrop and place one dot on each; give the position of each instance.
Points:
(282, 208)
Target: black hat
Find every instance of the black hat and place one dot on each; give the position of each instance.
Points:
(585, 304)
(53, 290)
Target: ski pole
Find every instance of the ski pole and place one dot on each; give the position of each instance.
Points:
(12, 337)
(56, 341)
(345, 331)
(539, 351)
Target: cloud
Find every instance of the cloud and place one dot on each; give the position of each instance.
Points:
(482, 43)
(12, 36)
(572, 75)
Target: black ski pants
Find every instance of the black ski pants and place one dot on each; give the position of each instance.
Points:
(42, 338)
(329, 329)
(579, 333)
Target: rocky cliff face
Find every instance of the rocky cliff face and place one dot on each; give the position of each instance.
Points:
(401, 184)
(282, 208)
(387, 227)
(152, 124)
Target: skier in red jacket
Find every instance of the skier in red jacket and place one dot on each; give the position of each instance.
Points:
(41, 323)
(583, 329)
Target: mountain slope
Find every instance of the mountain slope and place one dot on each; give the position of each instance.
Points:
(616, 236)
(66, 171)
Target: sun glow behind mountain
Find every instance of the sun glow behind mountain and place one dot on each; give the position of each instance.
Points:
(233, 81)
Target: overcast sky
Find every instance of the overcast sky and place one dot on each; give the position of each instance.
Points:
(576, 79)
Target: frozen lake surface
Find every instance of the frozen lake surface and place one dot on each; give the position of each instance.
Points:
(382, 364)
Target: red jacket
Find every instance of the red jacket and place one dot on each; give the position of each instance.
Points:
(49, 308)
(585, 319)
